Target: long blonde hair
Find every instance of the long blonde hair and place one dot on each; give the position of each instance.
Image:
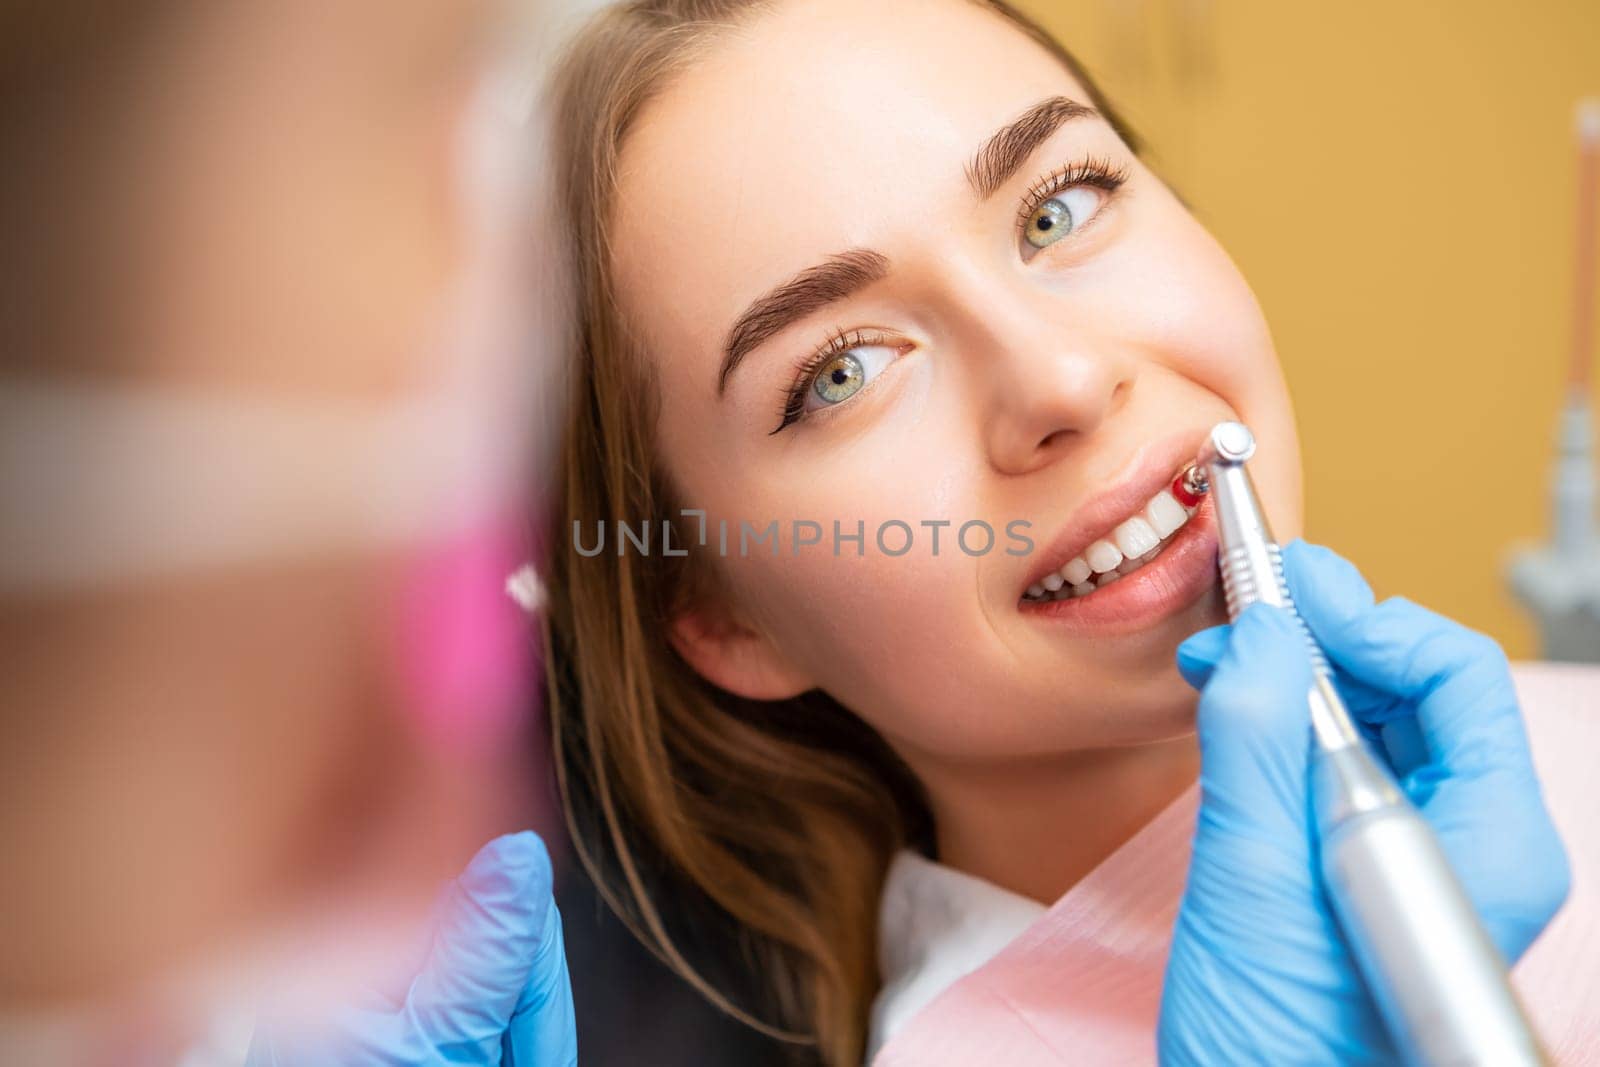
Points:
(735, 837)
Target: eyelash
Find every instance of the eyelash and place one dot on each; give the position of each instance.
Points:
(841, 340)
(1096, 171)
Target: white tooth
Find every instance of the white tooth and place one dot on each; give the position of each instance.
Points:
(1077, 571)
(1128, 566)
(1082, 588)
(1107, 579)
(1103, 556)
(1135, 537)
(1051, 582)
(1165, 513)
(1036, 590)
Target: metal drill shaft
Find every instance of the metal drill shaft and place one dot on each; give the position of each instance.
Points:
(1431, 968)
(1252, 566)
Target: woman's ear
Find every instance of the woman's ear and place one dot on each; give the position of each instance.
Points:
(732, 655)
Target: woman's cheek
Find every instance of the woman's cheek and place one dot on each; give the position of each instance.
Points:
(868, 604)
(1214, 334)
(1172, 291)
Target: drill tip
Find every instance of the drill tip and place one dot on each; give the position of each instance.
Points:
(1191, 485)
(1231, 442)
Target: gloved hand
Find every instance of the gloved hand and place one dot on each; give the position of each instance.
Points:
(494, 988)
(1259, 971)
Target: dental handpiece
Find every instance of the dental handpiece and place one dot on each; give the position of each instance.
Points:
(1438, 980)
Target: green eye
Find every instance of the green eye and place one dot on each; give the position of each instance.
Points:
(846, 366)
(1050, 221)
(840, 378)
(1064, 213)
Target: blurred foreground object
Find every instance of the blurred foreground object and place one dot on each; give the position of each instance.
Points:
(268, 436)
(1560, 581)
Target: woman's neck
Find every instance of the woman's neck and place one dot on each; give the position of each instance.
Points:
(1037, 827)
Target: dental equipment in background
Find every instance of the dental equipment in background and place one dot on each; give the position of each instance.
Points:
(1560, 582)
(1437, 978)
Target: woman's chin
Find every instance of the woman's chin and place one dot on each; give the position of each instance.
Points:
(1155, 722)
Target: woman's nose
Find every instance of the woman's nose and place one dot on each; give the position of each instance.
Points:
(1045, 386)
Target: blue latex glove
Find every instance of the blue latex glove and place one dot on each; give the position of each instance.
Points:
(1259, 971)
(493, 990)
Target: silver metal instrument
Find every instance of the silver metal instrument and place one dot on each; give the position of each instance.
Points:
(1437, 978)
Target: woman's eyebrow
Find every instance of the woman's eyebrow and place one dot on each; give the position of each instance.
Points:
(840, 275)
(1003, 154)
(815, 287)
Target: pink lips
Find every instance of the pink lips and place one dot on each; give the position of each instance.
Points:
(1151, 470)
(1184, 570)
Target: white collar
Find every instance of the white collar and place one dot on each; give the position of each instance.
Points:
(935, 926)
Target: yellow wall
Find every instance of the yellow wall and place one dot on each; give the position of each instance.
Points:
(1396, 180)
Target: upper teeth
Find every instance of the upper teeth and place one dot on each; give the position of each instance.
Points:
(1135, 542)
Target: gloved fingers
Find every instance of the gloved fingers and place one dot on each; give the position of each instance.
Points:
(1407, 749)
(1388, 720)
(543, 1030)
(493, 927)
(1457, 680)
(1390, 726)
(1199, 653)
(1253, 723)
(1339, 589)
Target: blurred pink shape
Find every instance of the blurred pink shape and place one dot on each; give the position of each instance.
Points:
(466, 648)
(1083, 983)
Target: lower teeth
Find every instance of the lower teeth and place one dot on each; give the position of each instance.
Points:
(1097, 581)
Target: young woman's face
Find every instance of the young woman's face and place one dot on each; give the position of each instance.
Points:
(1030, 328)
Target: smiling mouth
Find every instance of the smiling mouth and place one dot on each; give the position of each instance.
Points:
(1129, 545)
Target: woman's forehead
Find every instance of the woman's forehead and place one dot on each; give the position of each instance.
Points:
(804, 133)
